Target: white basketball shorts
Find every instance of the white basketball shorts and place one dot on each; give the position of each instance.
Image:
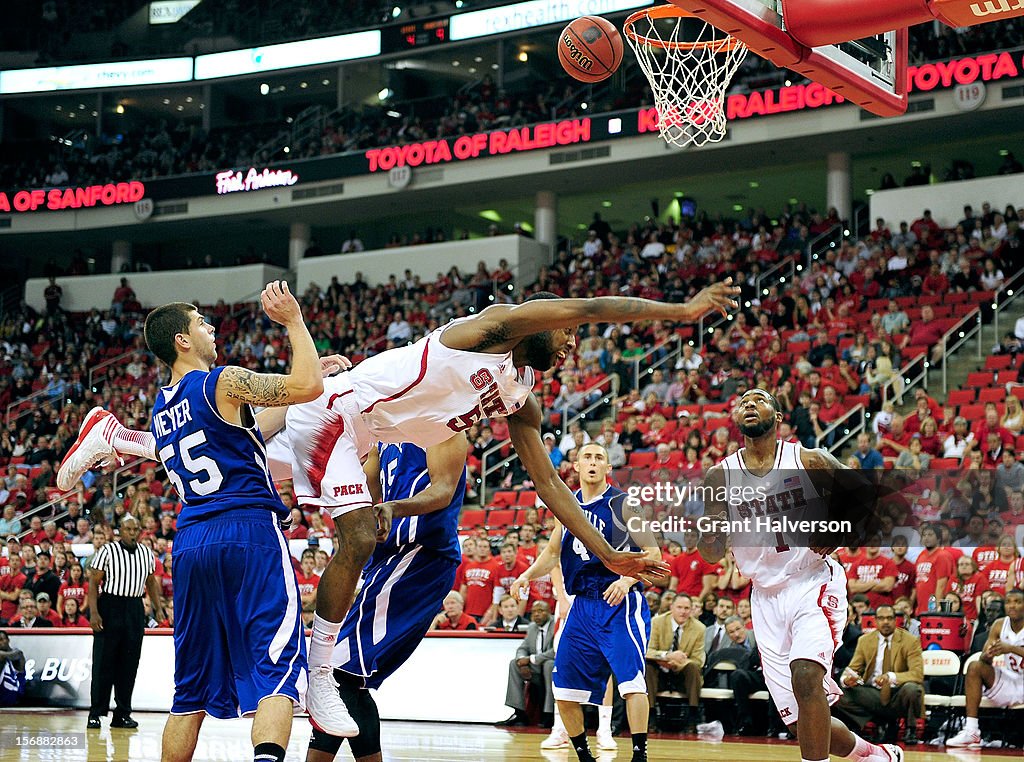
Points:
(803, 620)
(326, 441)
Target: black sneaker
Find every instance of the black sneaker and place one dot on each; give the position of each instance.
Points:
(93, 723)
(124, 722)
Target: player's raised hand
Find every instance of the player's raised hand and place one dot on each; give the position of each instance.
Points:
(280, 304)
(718, 297)
(332, 364)
(637, 565)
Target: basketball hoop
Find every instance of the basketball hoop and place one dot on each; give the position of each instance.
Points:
(689, 64)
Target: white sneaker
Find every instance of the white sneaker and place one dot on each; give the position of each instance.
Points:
(558, 739)
(965, 739)
(92, 448)
(605, 741)
(895, 752)
(327, 712)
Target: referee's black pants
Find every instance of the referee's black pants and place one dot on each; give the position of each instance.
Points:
(115, 653)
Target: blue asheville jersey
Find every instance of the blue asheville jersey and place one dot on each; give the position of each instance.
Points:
(214, 465)
(583, 572)
(403, 473)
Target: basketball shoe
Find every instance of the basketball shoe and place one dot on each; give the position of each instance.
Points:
(965, 739)
(327, 712)
(92, 448)
(895, 753)
(605, 741)
(558, 739)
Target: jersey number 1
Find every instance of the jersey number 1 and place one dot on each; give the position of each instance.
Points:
(195, 465)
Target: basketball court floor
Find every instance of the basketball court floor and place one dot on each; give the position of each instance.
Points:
(414, 741)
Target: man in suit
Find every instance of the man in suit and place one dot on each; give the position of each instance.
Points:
(885, 679)
(508, 617)
(28, 615)
(715, 636)
(533, 663)
(748, 676)
(675, 658)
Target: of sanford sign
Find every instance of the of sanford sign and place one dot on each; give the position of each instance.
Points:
(58, 199)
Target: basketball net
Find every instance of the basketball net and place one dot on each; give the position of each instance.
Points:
(689, 67)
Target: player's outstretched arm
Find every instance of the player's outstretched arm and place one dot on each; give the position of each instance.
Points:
(304, 383)
(500, 327)
(524, 430)
(712, 539)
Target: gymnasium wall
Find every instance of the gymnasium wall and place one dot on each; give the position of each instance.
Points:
(947, 200)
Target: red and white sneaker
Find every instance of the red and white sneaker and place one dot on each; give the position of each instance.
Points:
(965, 739)
(92, 448)
(558, 739)
(895, 752)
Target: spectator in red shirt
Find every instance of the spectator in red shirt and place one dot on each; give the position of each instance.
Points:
(905, 570)
(895, 441)
(71, 616)
(831, 407)
(307, 578)
(990, 425)
(925, 332)
(1015, 516)
(848, 557)
(997, 573)
(691, 574)
(936, 283)
(12, 581)
(969, 584)
(926, 229)
(298, 530)
(507, 568)
(933, 569)
(453, 617)
(75, 587)
(874, 575)
(731, 583)
(37, 533)
(52, 533)
(528, 550)
(46, 611)
(475, 579)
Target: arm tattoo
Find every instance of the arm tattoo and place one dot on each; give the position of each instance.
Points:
(495, 334)
(255, 388)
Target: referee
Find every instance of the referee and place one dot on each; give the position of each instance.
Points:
(125, 570)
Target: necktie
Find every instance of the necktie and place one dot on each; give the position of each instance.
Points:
(716, 639)
(886, 689)
(675, 638)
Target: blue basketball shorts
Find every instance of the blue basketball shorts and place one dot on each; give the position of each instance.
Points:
(402, 593)
(598, 640)
(238, 635)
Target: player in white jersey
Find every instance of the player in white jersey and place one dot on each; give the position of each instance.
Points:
(998, 674)
(798, 601)
(473, 368)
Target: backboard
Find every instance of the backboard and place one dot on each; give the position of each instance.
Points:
(871, 72)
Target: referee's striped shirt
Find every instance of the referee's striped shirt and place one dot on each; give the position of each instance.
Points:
(126, 570)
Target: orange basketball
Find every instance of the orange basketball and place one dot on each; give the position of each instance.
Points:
(590, 49)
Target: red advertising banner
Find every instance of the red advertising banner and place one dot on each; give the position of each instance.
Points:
(58, 199)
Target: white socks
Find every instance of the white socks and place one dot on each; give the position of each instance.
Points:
(141, 444)
(321, 645)
(559, 725)
(604, 719)
(971, 724)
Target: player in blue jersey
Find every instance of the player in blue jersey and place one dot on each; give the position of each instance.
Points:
(238, 640)
(407, 578)
(609, 623)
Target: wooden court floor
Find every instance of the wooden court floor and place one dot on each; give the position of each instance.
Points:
(419, 742)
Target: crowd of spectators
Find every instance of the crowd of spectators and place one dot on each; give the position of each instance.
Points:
(828, 339)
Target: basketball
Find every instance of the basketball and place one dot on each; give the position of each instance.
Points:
(590, 49)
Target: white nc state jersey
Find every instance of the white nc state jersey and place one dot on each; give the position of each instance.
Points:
(1010, 667)
(769, 557)
(426, 392)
